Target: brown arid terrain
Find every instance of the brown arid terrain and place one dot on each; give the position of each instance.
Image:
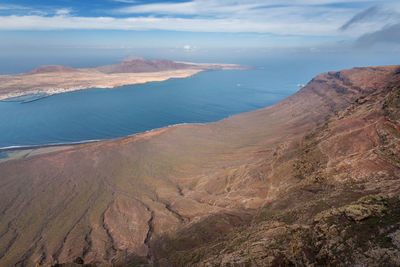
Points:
(312, 180)
(60, 79)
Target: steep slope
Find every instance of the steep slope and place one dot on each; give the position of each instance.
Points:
(343, 210)
(184, 194)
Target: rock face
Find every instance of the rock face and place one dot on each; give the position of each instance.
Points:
(311, 180)
(336, 236)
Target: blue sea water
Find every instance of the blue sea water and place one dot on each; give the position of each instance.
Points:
(98, 114)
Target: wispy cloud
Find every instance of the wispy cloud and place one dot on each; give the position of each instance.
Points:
(222, 7)
(20, 10)
(151, 23)
(294, 17)
(388, 34)
(126, 1)
(197, 7)
(63, 11)
(382, 24)
(12, 7)
(360, 17)
(377, 15)
(325, 18)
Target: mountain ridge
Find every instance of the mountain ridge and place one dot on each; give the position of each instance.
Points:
(51, 68)
(183, 195)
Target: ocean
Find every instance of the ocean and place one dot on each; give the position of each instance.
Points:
(99, 114)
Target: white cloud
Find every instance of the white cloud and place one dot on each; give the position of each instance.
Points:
(126, 1)
(279, 17)
(189, 48)
(151, 23)
(12, 7)
(63, 11)
(221, 7)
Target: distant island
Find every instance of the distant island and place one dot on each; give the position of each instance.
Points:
(56, 79)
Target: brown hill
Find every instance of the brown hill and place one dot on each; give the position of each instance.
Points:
(52, 68)
(313, 179)
(138, 65)
(60, 79)
(143, 65)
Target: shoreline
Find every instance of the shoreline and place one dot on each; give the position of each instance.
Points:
(32, 150)
(62, 90)
(51, 80)
(23, 147)
(42, 90)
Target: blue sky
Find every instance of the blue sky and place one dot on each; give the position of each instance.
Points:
(200, 24)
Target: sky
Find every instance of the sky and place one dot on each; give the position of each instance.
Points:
(200, 26)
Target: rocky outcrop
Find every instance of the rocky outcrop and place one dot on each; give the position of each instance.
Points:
(337, 236)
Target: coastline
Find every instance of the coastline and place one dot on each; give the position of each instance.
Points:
(22, 147)
(60, 90)
(32, 150)
(54, 82)
(51, 80)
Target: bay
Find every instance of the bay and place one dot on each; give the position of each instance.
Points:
(99, 114)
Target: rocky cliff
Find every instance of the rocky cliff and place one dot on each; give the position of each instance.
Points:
(313, 179)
